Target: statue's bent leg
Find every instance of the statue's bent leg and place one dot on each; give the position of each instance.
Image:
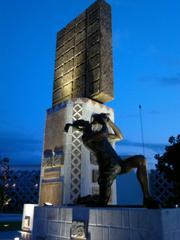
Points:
(105, 182)
(139, 162)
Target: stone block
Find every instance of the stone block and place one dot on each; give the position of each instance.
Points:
(137, 224)
(65, 215)
(125, 234)
(54, 228)
(83, 45)
(108, 218)
(51, 191)
(40, 212)
(112, 224)
(99, 233)
(52, 213)
(40, 226)
(65, 230)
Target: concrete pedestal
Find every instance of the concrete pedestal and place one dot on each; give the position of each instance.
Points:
(111, 223)
(69, 169)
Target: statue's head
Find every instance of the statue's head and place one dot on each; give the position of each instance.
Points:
(98, 121)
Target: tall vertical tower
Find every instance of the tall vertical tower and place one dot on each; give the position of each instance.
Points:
(83, 81)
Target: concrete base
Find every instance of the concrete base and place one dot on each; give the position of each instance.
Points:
(28, 216)
(111, 223)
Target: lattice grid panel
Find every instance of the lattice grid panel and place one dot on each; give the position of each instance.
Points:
(160, 186)
(76, 156)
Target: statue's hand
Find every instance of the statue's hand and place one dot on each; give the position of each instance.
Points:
(66, 128)
(105, 116)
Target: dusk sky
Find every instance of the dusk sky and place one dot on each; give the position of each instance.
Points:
(146, 56)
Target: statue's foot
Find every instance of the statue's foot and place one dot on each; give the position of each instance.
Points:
(151, 203)
(83, 200)
(90, 200)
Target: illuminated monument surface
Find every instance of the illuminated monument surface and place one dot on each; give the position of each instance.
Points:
(83, 65)
(83, 82)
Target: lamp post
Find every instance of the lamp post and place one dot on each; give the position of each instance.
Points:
(141, 128)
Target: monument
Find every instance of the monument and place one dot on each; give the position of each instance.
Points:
(83, 81)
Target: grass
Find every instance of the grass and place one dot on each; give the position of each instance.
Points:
(10, 226)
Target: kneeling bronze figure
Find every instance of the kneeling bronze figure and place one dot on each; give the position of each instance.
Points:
(97, 138)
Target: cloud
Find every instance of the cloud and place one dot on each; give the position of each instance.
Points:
(166, 81)
(20, 147)
(175, 80)
(128, 148)
(157, 147)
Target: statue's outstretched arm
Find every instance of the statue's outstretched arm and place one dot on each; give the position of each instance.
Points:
(117, 132)
(67, 126)
(78, 124)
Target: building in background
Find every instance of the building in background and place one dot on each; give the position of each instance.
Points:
(160, 186)
(22, 186)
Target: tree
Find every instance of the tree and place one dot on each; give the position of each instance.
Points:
(169, 164)
(4, 175)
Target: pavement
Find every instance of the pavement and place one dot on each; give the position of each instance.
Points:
(10, 235)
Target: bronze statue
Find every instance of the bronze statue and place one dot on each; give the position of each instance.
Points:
(96, 137)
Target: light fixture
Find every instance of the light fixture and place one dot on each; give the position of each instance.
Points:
(47, 204)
